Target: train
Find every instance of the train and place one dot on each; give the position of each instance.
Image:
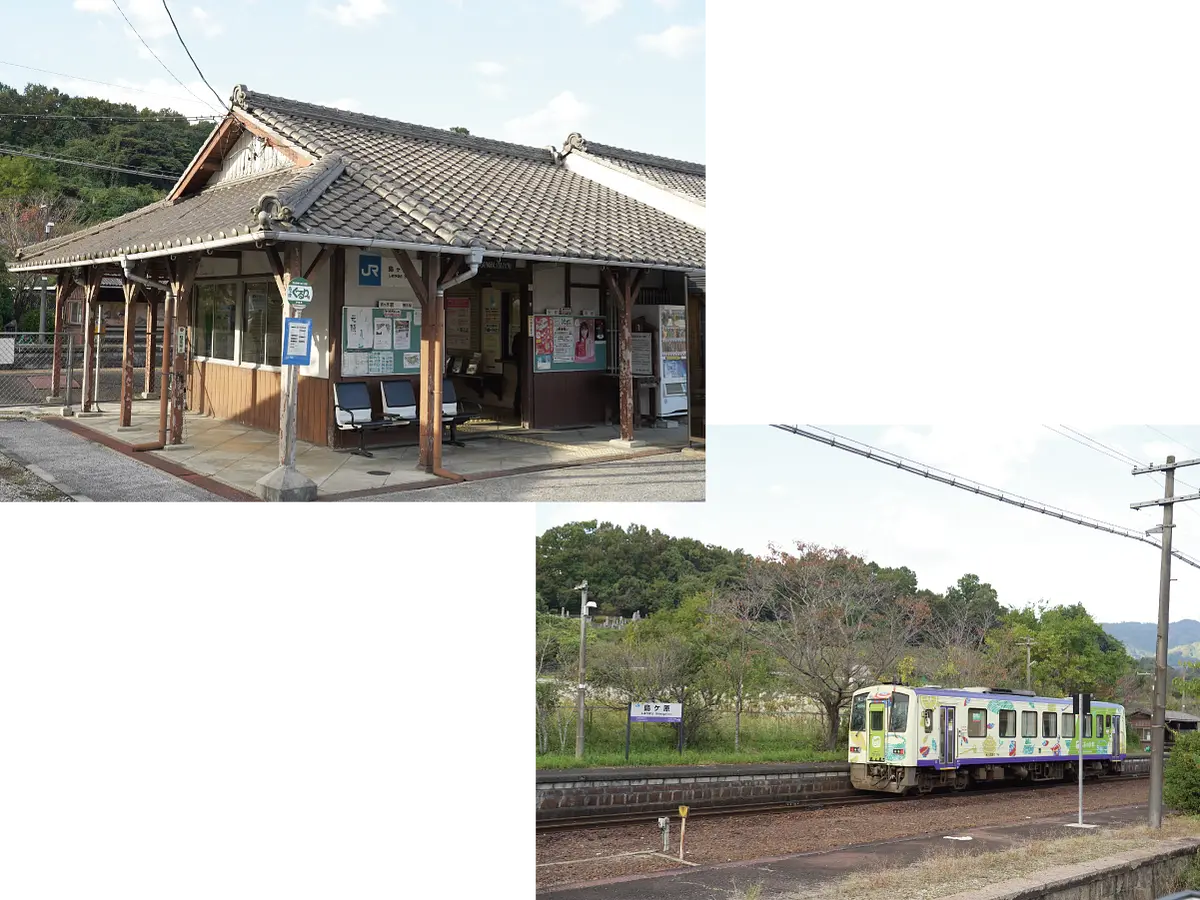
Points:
(911, 740)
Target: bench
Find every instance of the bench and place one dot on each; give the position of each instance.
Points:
(455, 412)
(352, 412)
(399, 401)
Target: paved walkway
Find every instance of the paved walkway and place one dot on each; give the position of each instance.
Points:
(85, 470)
(789, 875)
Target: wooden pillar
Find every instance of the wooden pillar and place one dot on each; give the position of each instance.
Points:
(337, 301)
(66, 284)
(151, 332)
(182, 273)
(91, 316)
(130, 289)
(695, 368)
(285, 270)
(420, 284)
(625, 285)
(432, 369)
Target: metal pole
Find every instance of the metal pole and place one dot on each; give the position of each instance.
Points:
(1079, 738)
(1157, 736)
(628, 722)
(582, 664)
(42, 311)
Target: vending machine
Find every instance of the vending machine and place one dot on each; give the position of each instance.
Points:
(672, 361)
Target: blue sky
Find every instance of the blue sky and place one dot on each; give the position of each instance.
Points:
(628, 73)
(765, 485)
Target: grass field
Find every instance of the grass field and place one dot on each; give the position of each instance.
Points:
(764, 738)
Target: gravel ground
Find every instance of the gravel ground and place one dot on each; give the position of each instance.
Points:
(18, 484)
(89, 469)
(725, 839)
(651, 479)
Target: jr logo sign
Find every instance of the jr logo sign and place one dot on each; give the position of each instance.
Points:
(370, 270)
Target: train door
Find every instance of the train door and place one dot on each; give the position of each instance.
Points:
(948, 737)
(875, 732)
(1116, 736)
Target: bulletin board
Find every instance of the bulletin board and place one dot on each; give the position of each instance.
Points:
(380, 341)
(562, 344)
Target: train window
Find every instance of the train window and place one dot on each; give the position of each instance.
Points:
(928, 716)
(1068, 725)
(877, 720)
(899, 720)
(976, 722)
(1028, 724)
(1099, 726)
(1087, 726)
(858, 713)
(1108, 723)
(1049, 724)
(1008, 723)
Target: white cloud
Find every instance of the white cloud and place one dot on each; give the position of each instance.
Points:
(489, 69)
(355, 12)
(596, 10)
(674, 42)
(666, 4)
(209, 26)
(162, 93)
(97, 6)
(550, 124)
(984, 453)
(494, 90)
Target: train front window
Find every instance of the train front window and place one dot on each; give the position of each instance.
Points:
(858, 713)
(899, 719)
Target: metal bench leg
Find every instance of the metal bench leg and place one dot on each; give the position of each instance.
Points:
(454, 441)
(362, 445)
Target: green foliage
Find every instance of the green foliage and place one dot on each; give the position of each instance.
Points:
(1181, 776)
(634, 570)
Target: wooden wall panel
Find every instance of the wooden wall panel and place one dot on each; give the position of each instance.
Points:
(565, 399)
(250, 397)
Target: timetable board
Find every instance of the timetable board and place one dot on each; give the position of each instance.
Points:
(380, 341)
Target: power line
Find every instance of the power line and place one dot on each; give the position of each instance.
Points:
(1123, 462)
(1173, 440)
(14, 151)
(1124, 458)
(189, 53)
(155, 55)
(123, 87)
(1121, 453)
(154, 118)
(940, 475)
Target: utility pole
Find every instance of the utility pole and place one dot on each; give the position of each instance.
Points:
(1158, 722)
(1028, 644)
(584, 606)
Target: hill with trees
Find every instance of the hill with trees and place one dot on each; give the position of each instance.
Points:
(43, 122)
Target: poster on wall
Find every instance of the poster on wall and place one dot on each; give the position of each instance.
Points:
(382, 364)
(358, 328)
(383, 334)
(412, 360)
(643, 356)
(458, 323)
(492, 351)
(355, 363)
(564, 339)
(600, 339)
(543, 342)
(402, 334)
(585, 341)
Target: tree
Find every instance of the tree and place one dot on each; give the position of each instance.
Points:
(833, 623)
(458, 129)
(1181, 775)
(23, 221)
(735, 623)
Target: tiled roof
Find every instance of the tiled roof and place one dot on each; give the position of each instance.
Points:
(385, 180)
(686, 178)
(222, 212)
(414, 183)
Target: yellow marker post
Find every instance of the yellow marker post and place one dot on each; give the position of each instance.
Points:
(682, 828)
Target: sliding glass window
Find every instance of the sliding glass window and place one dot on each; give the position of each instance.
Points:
(262, 324)
(216, 320)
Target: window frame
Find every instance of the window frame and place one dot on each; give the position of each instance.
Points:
(1087, 726)
(1025, 714)
(197, 318)
(891, 720)
(1068, 725)
(242, 306)
(971, 721)
(858, 706)
(1050, 718)
(1011, 716)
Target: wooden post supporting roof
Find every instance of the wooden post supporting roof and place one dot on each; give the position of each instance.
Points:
(149, 392)
(424, 287)
(66, 284)
(91, 318)
(131, 290)
(625, 285)
(337, 302)
(181, 274)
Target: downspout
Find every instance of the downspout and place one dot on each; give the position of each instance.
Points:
(168, 327)
(473, 262)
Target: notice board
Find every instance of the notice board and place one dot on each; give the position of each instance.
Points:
(569, 343)
(380, 341)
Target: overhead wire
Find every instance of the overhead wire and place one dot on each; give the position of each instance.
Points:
(155, 55)
(189, 53)
(151, 118)
(1089, 446)
(1174, 440)
(16, 151)
(868, 451)
(123, 87)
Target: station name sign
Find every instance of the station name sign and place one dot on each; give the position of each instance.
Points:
(656, 712)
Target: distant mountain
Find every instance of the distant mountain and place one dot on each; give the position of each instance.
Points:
(1140, 638)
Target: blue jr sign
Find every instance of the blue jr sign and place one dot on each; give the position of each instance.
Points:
(370, 270)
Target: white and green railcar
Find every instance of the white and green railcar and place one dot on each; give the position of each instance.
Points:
(905, 739)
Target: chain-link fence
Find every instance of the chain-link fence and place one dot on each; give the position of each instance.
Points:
(27, 364)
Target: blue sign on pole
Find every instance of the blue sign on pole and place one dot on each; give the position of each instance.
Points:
(297, 342)
(370, 270)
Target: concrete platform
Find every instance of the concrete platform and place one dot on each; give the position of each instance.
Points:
(790, 875)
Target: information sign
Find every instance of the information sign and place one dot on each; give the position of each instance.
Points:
(299, 293)
(297, 342)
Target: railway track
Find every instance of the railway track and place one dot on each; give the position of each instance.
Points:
(849, 798)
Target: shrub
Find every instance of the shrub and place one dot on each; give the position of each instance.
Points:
(1181, 777)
